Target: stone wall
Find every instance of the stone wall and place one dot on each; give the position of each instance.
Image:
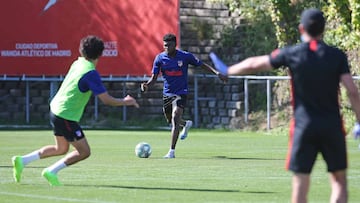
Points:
(202, 28)
(219, 104)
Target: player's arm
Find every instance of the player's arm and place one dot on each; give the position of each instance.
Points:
(352, 92)
(92, 81)
(214, 71)
(209, 68)
(107, 99)
(251, 65)
(145, 85)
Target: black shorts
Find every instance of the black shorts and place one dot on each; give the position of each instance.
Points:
(170, 102)
(306, 142)
(71, 130)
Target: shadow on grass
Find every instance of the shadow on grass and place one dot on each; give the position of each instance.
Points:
(10, 166)
(243, 158)
(171, 189)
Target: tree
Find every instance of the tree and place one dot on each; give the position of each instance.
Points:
(342, 29)
(343, 17)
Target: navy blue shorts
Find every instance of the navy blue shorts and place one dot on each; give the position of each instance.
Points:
(71, 130)
(170, 102)
(307, 142)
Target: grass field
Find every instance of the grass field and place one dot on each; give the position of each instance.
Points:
(210, 166)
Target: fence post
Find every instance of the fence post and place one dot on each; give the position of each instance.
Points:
(268, 102)
(246, 102)
(27, 102)
(124, 107)
(196, 116)
(96, 110)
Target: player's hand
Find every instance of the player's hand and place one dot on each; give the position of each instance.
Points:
(356, 131)
(144, 87)
(130, 101)
(222, 77)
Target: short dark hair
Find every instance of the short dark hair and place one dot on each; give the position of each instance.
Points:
(313, 21)
(169, 38)
(91, 47)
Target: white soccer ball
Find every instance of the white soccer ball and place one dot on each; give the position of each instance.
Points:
(143, 150)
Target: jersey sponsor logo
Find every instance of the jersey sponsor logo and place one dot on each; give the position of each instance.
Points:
(173, 73)
(180, 63)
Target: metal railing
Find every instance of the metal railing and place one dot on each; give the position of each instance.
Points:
(54, 85)
(246, 80)
(54, 82)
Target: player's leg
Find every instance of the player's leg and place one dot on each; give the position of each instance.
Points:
(339, 192)
(333, 150)
(168, 117)
(173, 114)
(61, 147)
(81, 152)
(175, 129)
(167, 109)
(300, 187)
(185, 124)
(19, 162)
(303, 150)
(176, 119)
(72, 134)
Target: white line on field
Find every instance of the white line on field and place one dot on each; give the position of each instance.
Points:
(51, 197)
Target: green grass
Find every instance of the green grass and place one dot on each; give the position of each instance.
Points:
(210, 166)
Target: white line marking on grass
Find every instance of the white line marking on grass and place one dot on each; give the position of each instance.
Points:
(51, 197)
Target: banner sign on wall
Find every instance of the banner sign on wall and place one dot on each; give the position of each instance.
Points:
(41, 37)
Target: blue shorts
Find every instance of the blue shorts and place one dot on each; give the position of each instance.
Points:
(70, 130)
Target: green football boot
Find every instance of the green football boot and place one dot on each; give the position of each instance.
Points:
(18, 167)
(52, 178)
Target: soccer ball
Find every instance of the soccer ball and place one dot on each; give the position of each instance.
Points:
(143, 150)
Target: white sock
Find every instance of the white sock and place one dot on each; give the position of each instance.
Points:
(172, 151)
(56, 167)
(33, 156)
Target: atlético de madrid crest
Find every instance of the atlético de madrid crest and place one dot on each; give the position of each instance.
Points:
(180, 63)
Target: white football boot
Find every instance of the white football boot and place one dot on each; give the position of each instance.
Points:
(184, 132)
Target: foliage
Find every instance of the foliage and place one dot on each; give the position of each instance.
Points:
(253, 35)
(343, 24)
(342, 29)
(202, 29)
(343, 18)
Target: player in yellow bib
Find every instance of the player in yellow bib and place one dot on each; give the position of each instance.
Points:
(66, 110)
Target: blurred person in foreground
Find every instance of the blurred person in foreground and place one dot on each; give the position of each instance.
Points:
(316, 70)
(173, 64)
(66, 110)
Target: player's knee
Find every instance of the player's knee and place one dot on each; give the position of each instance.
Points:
(168, 118)
(85, 154)
(61, 150)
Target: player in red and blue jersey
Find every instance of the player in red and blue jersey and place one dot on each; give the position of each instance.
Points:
(173, 64)
(316, 70)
